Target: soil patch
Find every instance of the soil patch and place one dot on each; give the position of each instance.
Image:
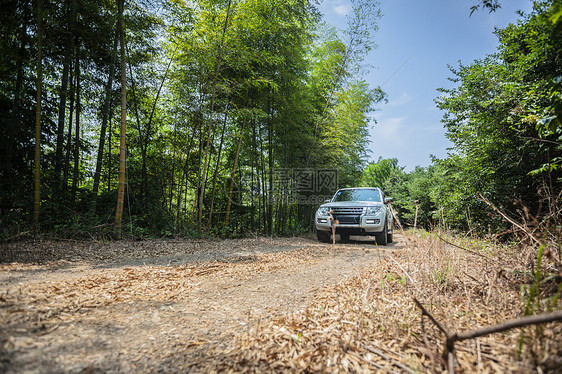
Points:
(139, 306)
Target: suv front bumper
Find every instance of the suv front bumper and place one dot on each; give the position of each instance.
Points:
(366, 225)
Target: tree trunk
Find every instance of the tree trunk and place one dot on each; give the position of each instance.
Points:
(37, 174)
(122, 144)
(148, 128)
(182, 180)
(216, 173)
(135, 107)
(144, 136)
(200, 151)
(76, 130)
(270, 175)
(210, 124)
(16, 120)
(252, 186)
(178, 206)
(109, 142)
(170, 192)
(257, 221)
(68, 136)
(263, 183)
(104, 121)
(64, 95)
(61, 119)
(232, 175)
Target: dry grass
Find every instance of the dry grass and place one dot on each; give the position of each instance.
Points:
(183, 311)
(370, 323)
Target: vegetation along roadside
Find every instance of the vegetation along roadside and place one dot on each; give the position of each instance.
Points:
(200, 121)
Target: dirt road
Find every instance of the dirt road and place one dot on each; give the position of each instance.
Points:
(159, 305)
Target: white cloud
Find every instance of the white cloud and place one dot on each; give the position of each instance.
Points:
(389, 130)
(342, 9)
(403, 99)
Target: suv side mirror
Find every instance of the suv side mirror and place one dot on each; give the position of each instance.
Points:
(387, 200)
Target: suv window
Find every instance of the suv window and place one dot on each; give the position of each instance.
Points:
(358, 195)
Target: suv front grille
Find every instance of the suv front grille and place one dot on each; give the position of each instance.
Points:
(347, 219)
(348, 210)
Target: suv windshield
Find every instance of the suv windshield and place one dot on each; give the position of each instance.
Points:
(358, 195)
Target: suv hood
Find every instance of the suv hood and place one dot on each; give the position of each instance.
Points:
(351, 204)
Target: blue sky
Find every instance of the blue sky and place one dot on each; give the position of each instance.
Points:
(417, 40)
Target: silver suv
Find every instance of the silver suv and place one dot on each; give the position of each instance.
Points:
(356, 211)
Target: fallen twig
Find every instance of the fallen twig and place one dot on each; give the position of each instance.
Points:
(53, 328)
(15, 236)
(464, 249)
(508, 325)
(508, 219)
(396, 218)
(390, 359)
(426, 341)
(426, 313)
(452, 338)
(404, 271)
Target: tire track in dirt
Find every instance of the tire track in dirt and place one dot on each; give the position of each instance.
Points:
(145, 317)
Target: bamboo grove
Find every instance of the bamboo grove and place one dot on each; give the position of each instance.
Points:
(181, 118)
(176, 117)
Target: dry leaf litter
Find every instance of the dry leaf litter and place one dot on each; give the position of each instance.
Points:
(260, 305)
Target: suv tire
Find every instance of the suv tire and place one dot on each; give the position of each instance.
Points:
(323, 236)
(382, 237)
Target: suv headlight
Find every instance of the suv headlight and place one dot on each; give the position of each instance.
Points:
(373, 210)
(322, 211)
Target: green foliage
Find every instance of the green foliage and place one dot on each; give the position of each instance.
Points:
(344, 139)
(536, 300)
(533, 298)
(422, 185)
(216, 90)
(502, 117)
(490, 5)
(376, 174)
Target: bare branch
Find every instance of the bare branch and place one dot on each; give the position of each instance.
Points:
(464, 249)
(426, 313)
(403, 270)
(508, 219)
(390, 359)
(540, 140)
(511, 324)
(448, 353)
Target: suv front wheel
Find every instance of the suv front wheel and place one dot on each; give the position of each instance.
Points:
(389, 236)
(323, 236)
(382, 237)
